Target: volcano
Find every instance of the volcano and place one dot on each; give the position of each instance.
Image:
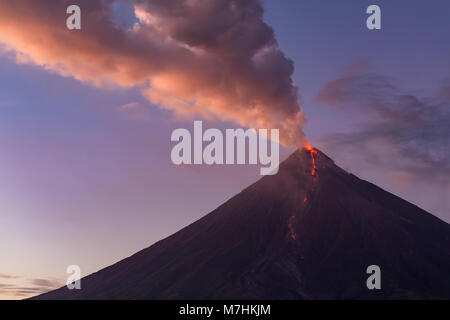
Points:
(309, 232)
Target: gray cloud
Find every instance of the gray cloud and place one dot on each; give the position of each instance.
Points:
(46, 283)
(405, 136)
(7, 276)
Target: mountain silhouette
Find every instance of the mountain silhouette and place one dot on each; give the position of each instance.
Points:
(309, 232)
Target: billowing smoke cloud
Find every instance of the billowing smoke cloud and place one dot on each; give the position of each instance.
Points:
(216, 59)
(405, 137)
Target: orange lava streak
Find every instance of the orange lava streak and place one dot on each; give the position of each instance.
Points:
(292, 234)
(312, 152)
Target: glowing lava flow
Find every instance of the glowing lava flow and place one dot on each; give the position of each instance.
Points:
(312, 152)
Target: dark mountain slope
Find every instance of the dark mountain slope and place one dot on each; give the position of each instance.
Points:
(308, 232)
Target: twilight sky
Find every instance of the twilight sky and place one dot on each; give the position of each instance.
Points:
(86, 116)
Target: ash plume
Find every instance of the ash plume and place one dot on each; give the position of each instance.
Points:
(214, 59)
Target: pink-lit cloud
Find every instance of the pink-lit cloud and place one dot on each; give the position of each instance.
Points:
(216, 59)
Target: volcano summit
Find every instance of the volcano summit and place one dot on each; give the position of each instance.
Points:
(309, 232)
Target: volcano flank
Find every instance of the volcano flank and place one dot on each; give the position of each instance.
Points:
(309, 232)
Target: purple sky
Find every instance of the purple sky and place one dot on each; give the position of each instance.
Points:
(86, 172)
